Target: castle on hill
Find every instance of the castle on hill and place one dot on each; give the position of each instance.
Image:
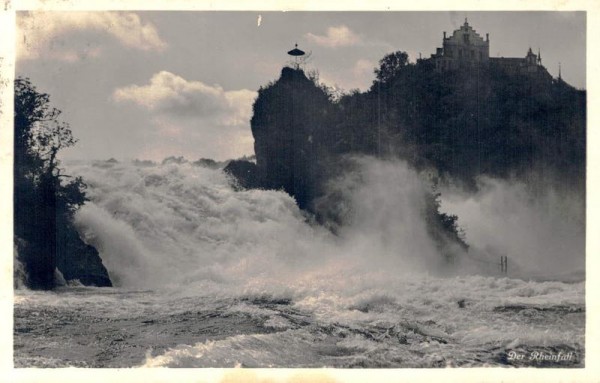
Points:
(467, 49)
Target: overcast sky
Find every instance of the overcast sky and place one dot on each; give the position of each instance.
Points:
(152, 84)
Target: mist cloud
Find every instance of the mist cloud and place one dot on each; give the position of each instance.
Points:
(541, 234)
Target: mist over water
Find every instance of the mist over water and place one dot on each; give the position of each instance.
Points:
(180, 226)
(542, 232)
(206, 276)
(184, 227)
(175, 224)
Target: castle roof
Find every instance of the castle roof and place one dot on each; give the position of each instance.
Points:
(465, 35)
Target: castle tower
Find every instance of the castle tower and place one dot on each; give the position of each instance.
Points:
(531, 58)
(466, 46)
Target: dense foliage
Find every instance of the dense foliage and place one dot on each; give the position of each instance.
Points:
(45, 199)
(475, 121)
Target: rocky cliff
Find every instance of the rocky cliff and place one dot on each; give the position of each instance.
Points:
(292, 133)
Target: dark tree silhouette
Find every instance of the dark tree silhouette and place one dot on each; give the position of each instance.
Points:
(44, 201)
(476, 121)
(390, 65)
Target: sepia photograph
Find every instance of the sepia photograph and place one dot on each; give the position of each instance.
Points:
(301, 189)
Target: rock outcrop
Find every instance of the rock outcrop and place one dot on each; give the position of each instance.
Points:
(291, 123)
(77, 260)
(245, 173)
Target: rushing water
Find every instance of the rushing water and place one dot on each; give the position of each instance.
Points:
(207, 276)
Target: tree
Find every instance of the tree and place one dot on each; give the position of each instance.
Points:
(43, 201)
(39, 135)
(390, 65)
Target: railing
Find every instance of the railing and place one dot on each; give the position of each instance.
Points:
(503, 262)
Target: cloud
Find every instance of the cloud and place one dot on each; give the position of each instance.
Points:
(193, 118)
(358, 76)
(169, 94)
(339, 36)
(38, 33)
(364, 68)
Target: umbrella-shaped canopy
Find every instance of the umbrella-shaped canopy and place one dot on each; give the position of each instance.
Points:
(296, 52)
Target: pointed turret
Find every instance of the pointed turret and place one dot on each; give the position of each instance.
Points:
(559, 72)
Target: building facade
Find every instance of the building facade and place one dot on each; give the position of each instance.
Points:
(465, 48)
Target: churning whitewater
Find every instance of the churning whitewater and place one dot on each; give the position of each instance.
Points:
(207, 275)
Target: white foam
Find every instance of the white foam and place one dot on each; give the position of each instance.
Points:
(182, 226)
(183, 232)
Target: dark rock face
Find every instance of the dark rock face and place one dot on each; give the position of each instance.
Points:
(77, 260)
(301, 137)
(245, 173)
(207, 163)
(290, 128)
(74, 259)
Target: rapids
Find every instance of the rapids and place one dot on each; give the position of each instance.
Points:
(206, 276)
